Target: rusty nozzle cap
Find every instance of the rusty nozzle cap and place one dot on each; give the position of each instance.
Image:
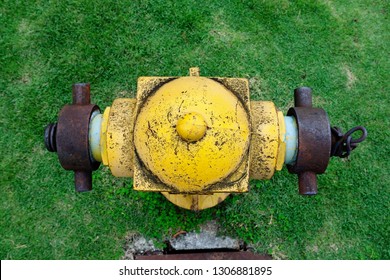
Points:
(314, 141)
(69, 137)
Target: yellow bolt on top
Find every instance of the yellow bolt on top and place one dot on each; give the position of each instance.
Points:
(191, 127)
(194, 72)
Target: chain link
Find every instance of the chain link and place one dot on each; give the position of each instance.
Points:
(344, 143)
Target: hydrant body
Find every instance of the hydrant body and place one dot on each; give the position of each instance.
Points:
(198, 139)
(143, 138)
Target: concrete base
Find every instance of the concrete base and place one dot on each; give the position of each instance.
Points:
(206, 239)
(205, 244)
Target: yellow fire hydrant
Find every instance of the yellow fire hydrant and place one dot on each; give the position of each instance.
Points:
(194, 139)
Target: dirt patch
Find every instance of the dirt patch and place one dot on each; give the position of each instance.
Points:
(351, 78)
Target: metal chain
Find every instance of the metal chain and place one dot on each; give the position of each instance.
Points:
(344, 143)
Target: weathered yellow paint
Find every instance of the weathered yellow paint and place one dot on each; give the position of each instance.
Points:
(103, 136)
(190, 167)
(196, 202)
(191, 127)
(119, 137)
(218, 162)
(282, 145)
(265, 139)
(194, 139)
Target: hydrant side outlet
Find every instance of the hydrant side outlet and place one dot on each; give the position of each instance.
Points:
(118, 137)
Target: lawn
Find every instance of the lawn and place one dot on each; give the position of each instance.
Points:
(339, 48)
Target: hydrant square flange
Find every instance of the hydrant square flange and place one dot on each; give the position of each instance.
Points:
(145, 179)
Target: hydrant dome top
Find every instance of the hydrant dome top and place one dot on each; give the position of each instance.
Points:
(192, 132)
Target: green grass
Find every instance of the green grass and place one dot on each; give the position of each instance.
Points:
(339, 48)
